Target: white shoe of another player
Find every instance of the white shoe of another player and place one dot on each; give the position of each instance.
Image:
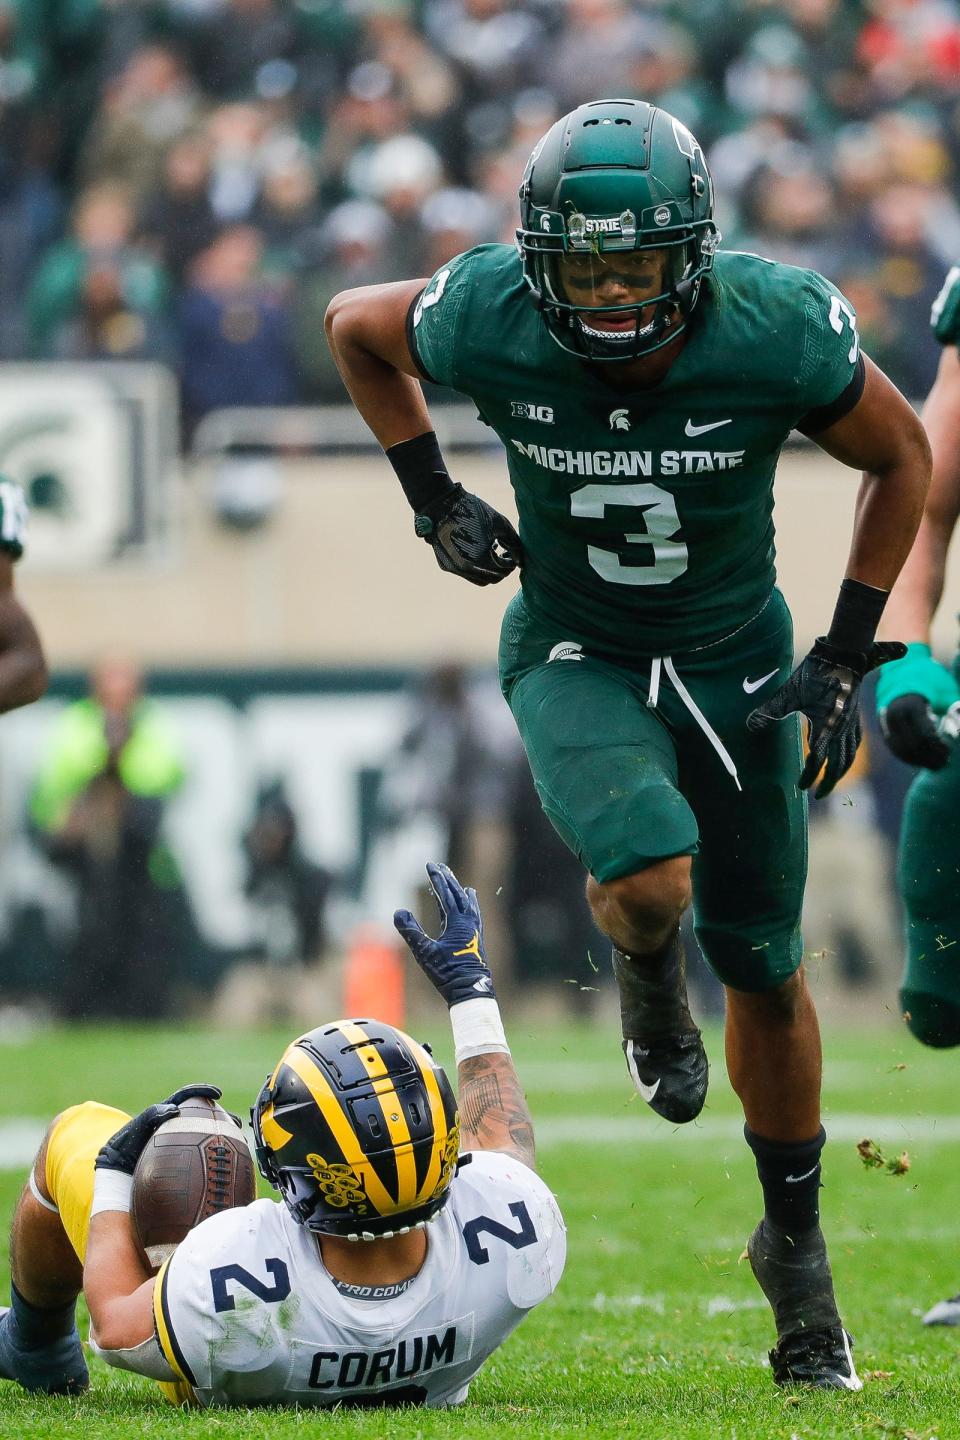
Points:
(945, 1312)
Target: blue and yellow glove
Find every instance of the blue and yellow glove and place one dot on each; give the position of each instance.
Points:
(455, 962)
(911, 694)
(945, 314)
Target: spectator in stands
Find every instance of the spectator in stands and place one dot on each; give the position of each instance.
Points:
(178, 220)
(109, 767)
(99, 272)
(144, 111)
(288, 211)
(352, 248)
(235, 330)
(237, 134)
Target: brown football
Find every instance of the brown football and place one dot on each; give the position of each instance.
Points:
(194, 1165)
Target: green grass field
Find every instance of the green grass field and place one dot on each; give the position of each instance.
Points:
(656, 1331)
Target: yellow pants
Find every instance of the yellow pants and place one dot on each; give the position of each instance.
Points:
(72, 1147)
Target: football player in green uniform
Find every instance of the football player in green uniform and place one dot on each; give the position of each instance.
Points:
(643, 383)
(23, 670)
(914, 696)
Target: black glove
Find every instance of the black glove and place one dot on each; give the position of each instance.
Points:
(123, 1150)
(455, 962)
(468, 537)
(825, 687)
(910, 729)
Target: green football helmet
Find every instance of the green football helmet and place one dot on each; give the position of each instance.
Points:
(616, 176)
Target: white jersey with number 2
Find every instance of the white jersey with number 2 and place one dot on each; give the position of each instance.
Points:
(247, 1313)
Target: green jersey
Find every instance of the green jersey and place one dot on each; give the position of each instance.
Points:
(646, 515)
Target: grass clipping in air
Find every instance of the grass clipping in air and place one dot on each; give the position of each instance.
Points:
(874, 1158)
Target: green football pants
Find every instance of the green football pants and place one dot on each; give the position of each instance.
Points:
(634, 765)
(929, 880)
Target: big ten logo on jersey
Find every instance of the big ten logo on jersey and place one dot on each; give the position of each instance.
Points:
(523, 410)
(413, 1356)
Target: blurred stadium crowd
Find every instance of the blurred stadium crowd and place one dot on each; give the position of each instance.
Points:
(191, 180)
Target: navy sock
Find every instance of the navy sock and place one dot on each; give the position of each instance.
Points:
(38, 1326)
(790, 1178)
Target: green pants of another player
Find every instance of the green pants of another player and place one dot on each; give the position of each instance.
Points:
(929, 880)
(637, 764)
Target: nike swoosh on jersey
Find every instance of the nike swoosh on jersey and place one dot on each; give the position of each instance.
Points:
(751, 685)
(692, 430)
(795, 1179)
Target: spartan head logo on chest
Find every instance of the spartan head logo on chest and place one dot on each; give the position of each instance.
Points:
(620, 420)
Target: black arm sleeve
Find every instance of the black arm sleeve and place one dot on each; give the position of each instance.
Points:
(826, 415)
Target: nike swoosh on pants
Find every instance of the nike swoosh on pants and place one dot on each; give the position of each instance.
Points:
(751, 685)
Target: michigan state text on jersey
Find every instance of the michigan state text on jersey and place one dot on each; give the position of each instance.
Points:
(410, 1241)
(643, 382)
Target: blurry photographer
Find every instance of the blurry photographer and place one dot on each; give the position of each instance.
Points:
(111, 763)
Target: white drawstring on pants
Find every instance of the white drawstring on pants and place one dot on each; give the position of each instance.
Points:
(653, 696)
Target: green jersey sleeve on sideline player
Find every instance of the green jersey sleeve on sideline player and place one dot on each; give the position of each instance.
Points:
(646, 515)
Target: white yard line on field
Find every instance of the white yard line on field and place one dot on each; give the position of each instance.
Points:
(20, 1138)
(643, 1129)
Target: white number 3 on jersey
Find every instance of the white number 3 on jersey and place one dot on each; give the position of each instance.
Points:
(430, 297)
(839, 310)
(14, 515)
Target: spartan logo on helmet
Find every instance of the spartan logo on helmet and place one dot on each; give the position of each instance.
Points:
(620, 420)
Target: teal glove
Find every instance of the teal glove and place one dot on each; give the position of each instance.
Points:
(945, 314)
(918, 674)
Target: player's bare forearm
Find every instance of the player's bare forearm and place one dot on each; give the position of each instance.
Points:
(117, 1285)
(367, 334)
(917, 592)
(493, 1108)
(23, 669)
(884, 438)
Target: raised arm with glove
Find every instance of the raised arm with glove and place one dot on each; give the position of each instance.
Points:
(493, 1110)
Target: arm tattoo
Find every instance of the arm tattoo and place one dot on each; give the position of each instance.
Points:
(493, 1108)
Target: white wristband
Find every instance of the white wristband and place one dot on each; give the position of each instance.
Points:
(477, 1028)
(112, 1190)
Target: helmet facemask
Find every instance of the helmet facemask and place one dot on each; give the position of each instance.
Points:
(640, 288)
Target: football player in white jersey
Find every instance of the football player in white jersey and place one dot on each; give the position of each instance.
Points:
(410, 1241)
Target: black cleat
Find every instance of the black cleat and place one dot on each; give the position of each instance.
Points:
(671, 1074)
(55, 1369)
(794, 1274)
(819, 1359)
(663, 1047)
(945, 1312)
